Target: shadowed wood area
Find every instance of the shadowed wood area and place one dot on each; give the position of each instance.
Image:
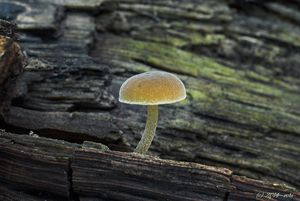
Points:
(239, 61)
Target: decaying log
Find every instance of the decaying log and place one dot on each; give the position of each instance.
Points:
(125, 176)
(240, 69)
(91, 172)
(41, 164)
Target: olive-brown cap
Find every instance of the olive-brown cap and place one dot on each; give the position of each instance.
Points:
(152, 88)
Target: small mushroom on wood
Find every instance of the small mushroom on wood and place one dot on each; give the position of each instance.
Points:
(152, 89)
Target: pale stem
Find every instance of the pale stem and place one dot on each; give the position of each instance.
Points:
(149, 132)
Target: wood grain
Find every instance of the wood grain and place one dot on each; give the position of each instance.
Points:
(36, 168)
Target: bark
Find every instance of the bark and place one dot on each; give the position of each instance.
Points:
(238, 60)
(58, 170)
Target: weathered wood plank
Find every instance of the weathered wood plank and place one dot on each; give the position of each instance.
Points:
(124, 176)
(36, 165)
(35, 168)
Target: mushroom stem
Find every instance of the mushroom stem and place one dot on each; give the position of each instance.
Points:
(149, 132)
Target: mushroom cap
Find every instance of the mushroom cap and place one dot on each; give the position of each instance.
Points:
(152, 88)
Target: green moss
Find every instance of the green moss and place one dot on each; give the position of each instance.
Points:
(288, 37)
(172, 59)
(268, 53)
(285, 85)
(197, 95)
(207, 39)
(188, 125)
(243, 114)
(255, 76)
(166, 39)
(196, 27)
(161, 57)
(240, 106)
(218, 90)
(136, 67)
(183, 39)
(289, 147)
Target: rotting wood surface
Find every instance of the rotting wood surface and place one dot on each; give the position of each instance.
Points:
(35, 168)
(238, 61)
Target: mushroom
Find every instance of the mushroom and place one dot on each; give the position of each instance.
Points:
(152, 89)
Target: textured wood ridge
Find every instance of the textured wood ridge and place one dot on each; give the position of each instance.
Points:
(238, 59)
(36, 164)
(57, 170)
(134, 177)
